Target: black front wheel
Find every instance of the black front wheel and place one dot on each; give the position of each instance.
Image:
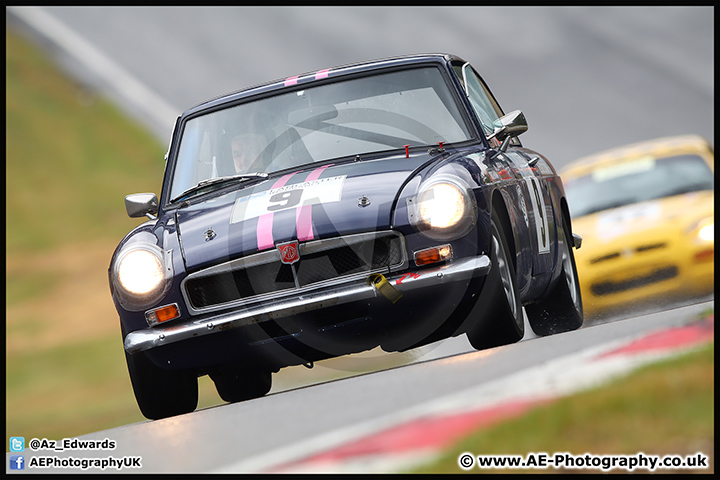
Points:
(161, 393)
(500, 321)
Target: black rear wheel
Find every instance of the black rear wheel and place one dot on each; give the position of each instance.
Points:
(561, 310)
(238, 384)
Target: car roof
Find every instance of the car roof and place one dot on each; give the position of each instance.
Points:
(333, 72)
(664, 146)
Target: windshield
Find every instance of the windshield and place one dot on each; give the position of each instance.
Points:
(356, 116)
(639, 180)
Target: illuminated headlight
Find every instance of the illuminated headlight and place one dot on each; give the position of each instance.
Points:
(141, 276)
(442, 205)
(140, 272)
(444, 209)
(707, 233)
(703, 235)
(703, 231)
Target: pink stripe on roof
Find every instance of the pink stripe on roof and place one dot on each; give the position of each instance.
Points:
(291, 80)
(265, 237)
(322, 74)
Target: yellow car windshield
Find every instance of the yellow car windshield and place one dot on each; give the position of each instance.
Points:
(637, 180)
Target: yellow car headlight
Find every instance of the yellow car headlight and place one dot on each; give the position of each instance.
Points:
(702, 231)
(444, 209)
(707, 233)
(141, 275)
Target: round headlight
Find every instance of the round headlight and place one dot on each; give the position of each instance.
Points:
(707, 233)
(140, 272)
(141, 275)
(442, 205)
(444, 208)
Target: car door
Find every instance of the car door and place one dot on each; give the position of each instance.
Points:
(531, 195)
(534, 173)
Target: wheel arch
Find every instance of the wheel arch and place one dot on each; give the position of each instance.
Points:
(499, 206)
(565, 212)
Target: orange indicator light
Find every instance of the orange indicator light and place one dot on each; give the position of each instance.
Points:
(706, 255)
(167, 313)
(433, 255)
(162, 314)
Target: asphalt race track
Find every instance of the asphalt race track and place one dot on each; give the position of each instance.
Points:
(293, 430)
(586, 79)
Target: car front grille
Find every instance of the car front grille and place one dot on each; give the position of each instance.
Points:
(640, 249)
(659, 275)
(261, 275)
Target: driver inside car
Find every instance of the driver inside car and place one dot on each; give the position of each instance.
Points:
(246, 147)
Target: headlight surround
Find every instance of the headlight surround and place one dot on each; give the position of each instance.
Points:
(444, 208)
(142, 274)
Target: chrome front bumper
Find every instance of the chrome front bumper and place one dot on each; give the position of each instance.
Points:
(157, 336)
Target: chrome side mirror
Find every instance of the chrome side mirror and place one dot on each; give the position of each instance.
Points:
(509, 126)
(142, 204)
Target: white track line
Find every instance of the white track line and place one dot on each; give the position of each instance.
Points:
(120, 81)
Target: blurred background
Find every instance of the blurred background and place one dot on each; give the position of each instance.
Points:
(92, 94)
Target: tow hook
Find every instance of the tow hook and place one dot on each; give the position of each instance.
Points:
(381, 284)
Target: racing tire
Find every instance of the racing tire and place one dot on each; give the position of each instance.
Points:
(561, 310)
(161, 393)
(238, 384)
(500, 321)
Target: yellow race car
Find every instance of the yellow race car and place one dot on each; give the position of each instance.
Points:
(646, 215)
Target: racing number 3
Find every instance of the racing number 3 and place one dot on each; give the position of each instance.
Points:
(286, 199)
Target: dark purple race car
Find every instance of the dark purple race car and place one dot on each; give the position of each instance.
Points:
(387, 203)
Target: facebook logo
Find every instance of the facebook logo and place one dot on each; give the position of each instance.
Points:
(17, 462)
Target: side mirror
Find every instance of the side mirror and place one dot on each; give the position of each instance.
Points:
(142, 204)
(509, 126)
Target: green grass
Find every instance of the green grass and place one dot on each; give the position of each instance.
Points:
(69, 390)
(71, 157)
(73, 390)
(27, 286)
(666, 408)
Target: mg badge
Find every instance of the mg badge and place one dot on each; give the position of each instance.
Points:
(289, 252)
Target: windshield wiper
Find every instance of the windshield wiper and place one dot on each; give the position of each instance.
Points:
(217, 181)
